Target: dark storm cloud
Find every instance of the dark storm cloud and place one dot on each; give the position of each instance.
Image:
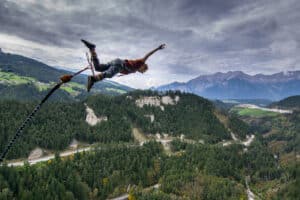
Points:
(25, 23)
(46, 25)
(36, 22)
(252, 35)
(203, 36)
(212, 9)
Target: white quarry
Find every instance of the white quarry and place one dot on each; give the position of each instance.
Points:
(157, 101)
(151, 117)
(36, 153)
(74, 144)
(91, 117)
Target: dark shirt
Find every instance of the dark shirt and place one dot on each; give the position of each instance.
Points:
(131, 66)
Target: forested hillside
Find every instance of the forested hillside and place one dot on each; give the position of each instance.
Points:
(280, 135)
(57, 124)
(200, 172)
(292, 102)
(198, 167)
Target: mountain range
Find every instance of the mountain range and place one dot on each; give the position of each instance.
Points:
(239, 85)
(24, 78)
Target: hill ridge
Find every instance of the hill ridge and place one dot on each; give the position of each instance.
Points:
(26, 78)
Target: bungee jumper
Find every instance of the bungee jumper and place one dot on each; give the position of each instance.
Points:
(110, 69)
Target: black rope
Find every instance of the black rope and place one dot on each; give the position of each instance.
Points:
(28, 119)
(64, 79)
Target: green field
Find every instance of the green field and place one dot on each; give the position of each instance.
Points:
(253, 112)
(13, 79)
(73, 88)
(41, 86)
(9, 78)
(116, 90)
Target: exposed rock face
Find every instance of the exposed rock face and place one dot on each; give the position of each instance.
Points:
(35, 154)
(182, 137)
(158, 136)
(151, 117)
(167, 100)
(151, 101)
(249, 140)
(157, 101)
(92, 119)
(74, 144)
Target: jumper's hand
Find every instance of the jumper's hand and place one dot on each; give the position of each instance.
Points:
(162, 46)
(66, 78)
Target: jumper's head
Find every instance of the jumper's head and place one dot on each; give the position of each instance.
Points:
(143, 68)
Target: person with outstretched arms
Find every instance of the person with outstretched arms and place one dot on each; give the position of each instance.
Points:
(123, 66)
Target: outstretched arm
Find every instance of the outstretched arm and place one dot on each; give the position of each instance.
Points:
(162, 46)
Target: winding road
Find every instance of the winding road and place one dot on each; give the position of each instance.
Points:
(49, 157)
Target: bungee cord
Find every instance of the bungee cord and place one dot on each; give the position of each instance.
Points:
(63, 79)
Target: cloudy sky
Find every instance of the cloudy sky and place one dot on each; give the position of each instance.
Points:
(202, 36)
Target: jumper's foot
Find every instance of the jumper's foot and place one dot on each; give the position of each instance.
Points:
(89, 45)
(94, 79)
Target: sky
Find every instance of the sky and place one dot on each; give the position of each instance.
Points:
(202, 36)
